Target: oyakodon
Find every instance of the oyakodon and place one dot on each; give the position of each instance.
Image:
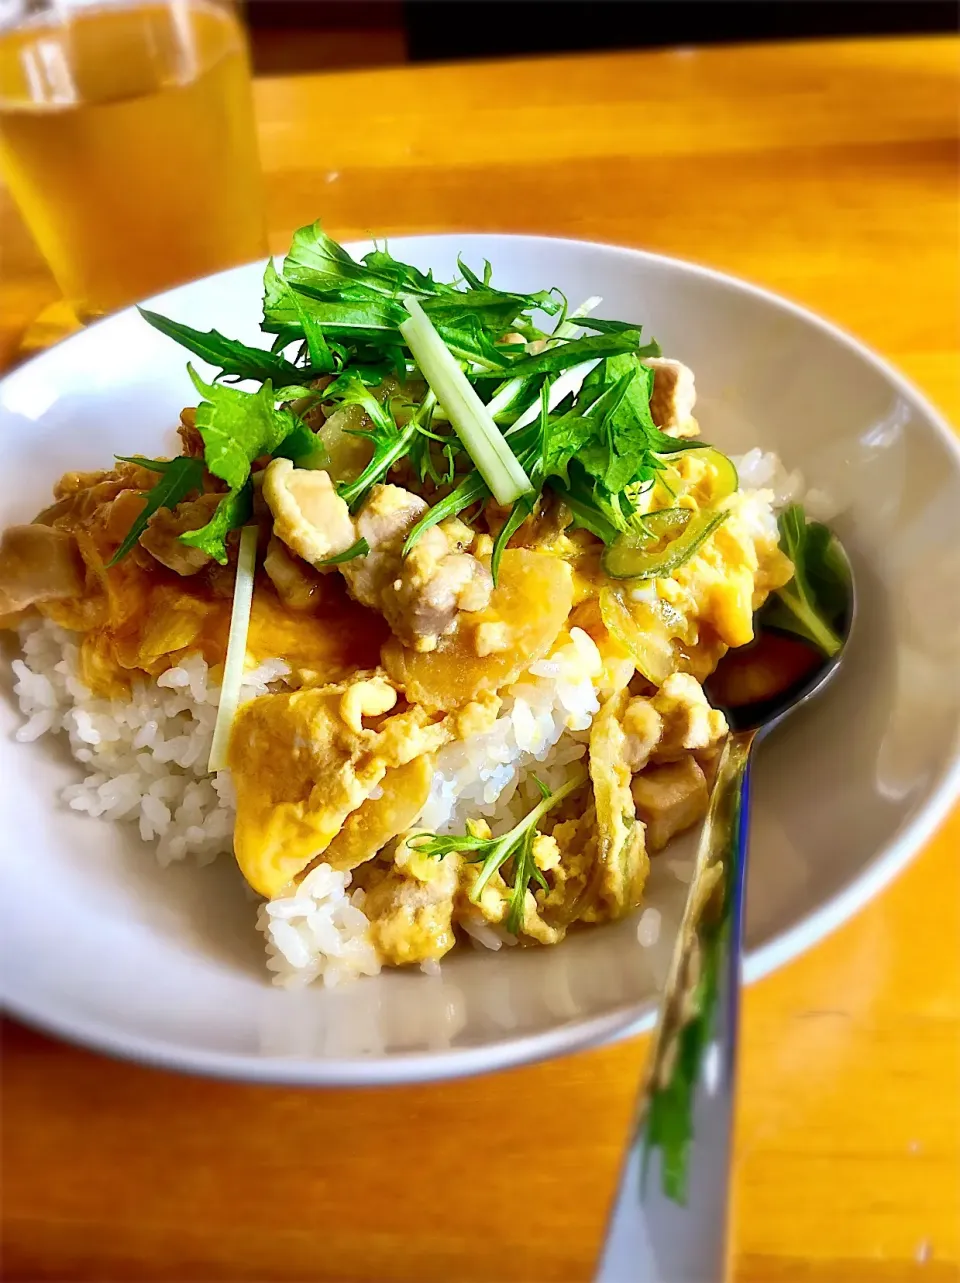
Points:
(491, 566)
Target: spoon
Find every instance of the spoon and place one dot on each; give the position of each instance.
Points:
(668, 1222)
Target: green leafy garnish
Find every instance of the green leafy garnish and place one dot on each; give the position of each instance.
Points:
(576, 351)
(178, 478)
(358, 549)
(231, 512)
(521, 509)
(238, 427)
(230, 355)
(517, 845)
(814, 603)
(304, 447)
(470, 490)
(488, 400)
(322, 359)
(390, 441)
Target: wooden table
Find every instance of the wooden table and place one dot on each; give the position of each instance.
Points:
(827, 172)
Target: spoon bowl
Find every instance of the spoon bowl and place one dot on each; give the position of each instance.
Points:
(758, 685)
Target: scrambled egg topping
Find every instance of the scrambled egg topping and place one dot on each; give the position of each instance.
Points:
(393, 658)
(300, 769)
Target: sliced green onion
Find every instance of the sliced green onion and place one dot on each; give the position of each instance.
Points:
(236, 649)
(483, 440)
(505, 397)
(663, 523)
(633, 556)
(728, 480)
(569, 327)
(565, 383)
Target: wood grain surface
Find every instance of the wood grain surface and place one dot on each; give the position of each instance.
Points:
(827, 172)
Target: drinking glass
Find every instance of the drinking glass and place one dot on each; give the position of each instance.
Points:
(127, 140)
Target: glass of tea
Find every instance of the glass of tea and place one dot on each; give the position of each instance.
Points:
(127, 139)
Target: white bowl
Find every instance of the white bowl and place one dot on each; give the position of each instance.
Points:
(102, 946)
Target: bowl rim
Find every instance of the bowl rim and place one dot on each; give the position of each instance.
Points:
(576, 1035)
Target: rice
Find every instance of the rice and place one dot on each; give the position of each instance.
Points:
(144, 757)
(648, 928)
(318, 931)
(541, 731)
(145, 760)
(145, 763)
(762, 471)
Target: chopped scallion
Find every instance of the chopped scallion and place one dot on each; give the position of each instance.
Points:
(484, 442)
(565, 383)
(236, 649)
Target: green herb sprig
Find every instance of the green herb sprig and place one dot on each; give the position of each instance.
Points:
(179, 478)
(813, 604)
(516, 845)
(490, 400)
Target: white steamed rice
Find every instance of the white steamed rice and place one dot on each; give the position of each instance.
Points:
(145, 757)
(145, 763)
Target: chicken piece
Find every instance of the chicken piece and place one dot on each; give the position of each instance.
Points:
(422, 594)
(532, 598)
(673, 397)
(38, 563)
(688, 720)
(667, 725)
(162, 539)
(670, 798)
(621, 852)
(308, 514)
(367, 830)
(299, 770)
(191, 442)
(436, 581)
(296, 582)
(387, 516)
(411, 908)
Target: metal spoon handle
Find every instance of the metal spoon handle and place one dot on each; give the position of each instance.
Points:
(668, 1222)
